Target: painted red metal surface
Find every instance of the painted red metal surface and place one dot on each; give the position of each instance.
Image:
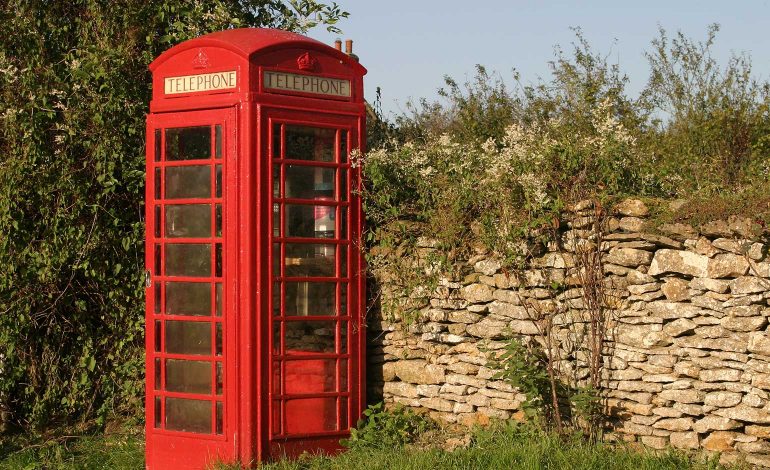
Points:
(255, 332)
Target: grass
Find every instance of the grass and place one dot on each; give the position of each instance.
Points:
(123, 450)
(503, 447)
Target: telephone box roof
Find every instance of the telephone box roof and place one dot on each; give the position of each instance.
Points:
(250, 41)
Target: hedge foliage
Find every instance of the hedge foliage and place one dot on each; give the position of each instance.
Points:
(74, 92)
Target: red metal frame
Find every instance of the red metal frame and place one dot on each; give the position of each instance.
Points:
(161, 439)
(345, 394)
(252, 386)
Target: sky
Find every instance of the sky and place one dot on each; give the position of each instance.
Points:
(408, 46)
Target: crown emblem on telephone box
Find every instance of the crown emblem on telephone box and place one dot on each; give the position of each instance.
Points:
(307, 62)
(201, 61)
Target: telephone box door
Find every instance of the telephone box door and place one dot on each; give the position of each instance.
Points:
(314, 347)
(190, 314)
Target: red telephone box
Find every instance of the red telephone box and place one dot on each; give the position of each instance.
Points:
(255, 285)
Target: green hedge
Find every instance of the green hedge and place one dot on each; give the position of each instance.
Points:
(74, 93)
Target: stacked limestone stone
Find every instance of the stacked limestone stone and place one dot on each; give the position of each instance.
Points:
(690, 363)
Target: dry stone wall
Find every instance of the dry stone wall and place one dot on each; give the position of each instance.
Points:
(689, 361)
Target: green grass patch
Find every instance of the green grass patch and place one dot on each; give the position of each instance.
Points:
(506, 446)
(123, 450)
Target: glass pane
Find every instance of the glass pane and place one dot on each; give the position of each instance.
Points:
(219, 181)
(307, 182)
(344, 337)
(219, 299)
(188, 298)
(344, 414)
(188, 143)
(158, 412)
(309, 376)
(276, 180)
(276, 259)
(190, 220)
(276, 220)
(218, 219)
(310, 143)
(310, 221)
(323, 217)
(276, 141)
(343, 146)
(303, 337)
(220, 378)
(276, 338)
(344, 261)
(192, 259)
(219, 339)
(184, 337)
(157, 183)
(158, 335)
(276, 410)
(156, 301)
(157, 145)
(218, 260)
(343, 375)
(188, 376)
(157, 374)
(343, 298)
(156, 221)
(218, 143)
(309, 260)
(157, 261)
(220, 418)
(276, 299)
(343, 186)
(310, 298)
(276, 378)
(308, 415)
(188, 182)
(188, 415)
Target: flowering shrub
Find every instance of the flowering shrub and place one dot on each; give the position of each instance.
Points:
(499, 191)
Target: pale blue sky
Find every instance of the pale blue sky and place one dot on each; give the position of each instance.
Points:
(408, 46)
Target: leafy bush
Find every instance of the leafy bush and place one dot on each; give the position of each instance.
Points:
(74, 91)
(383, 428)
(478, 110)
(524, 368)
(709, 125)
